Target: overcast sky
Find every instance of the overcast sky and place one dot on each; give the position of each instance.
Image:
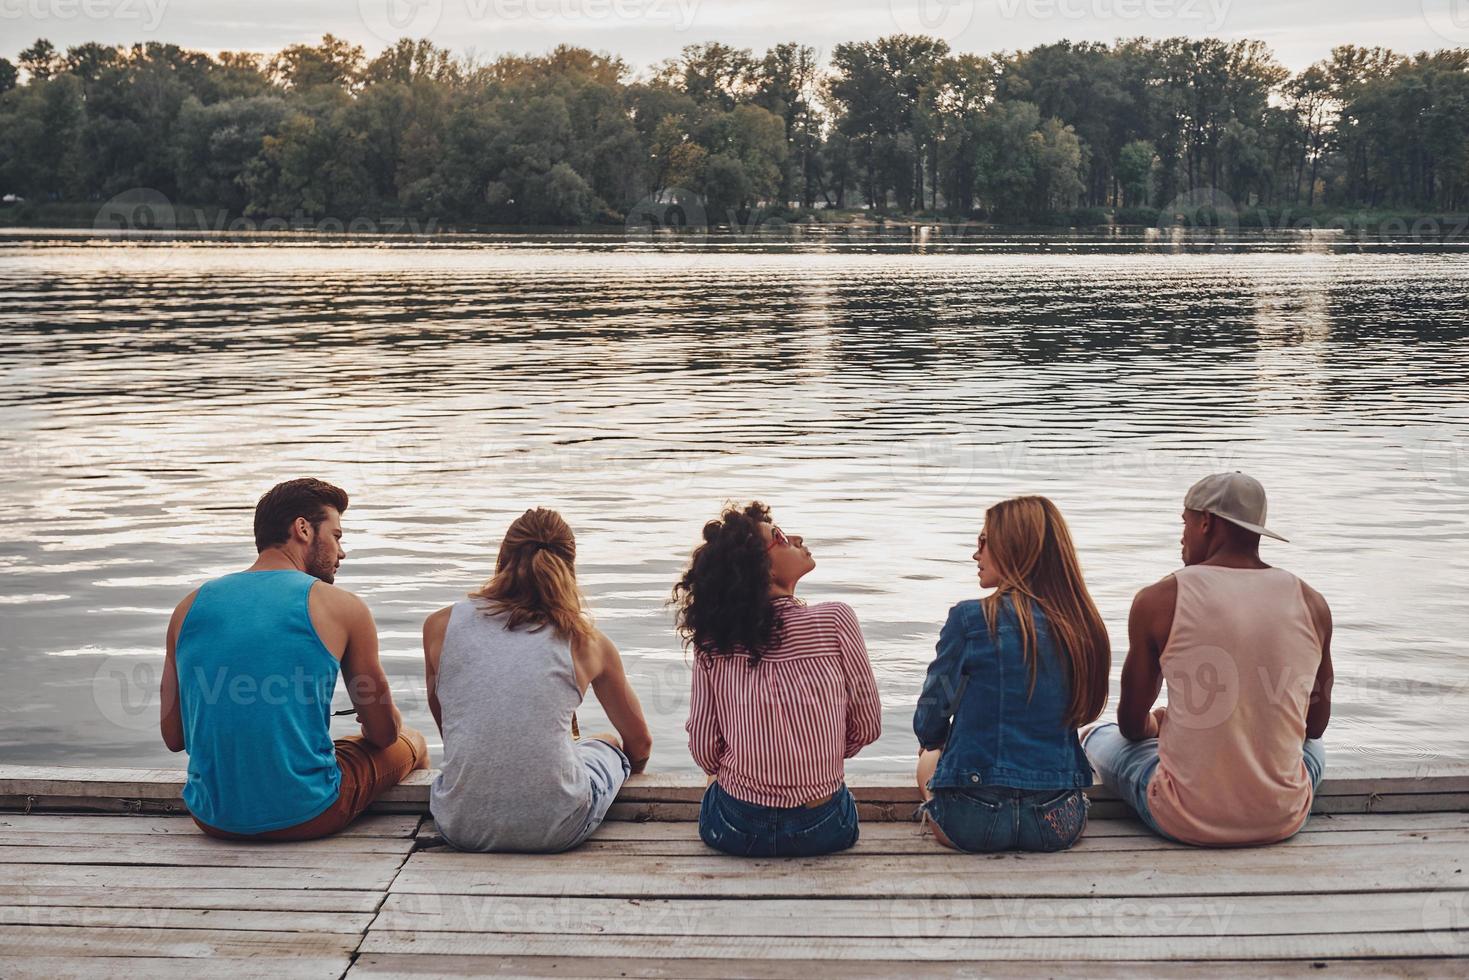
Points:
(647, 31)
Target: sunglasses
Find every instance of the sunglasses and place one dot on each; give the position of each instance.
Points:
(777, 537)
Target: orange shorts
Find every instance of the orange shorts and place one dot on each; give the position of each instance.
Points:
(367, 773)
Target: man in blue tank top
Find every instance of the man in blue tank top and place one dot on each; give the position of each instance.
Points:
(252, 660)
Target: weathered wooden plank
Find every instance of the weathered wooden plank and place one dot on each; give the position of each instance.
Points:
(1271, 870)
(370, 826)
(165, 785)
(201, 855)
(1100, 949)
(42, 940)
(1393, 803)
(1129, 827)
(125, 895)
(910, 920)
(919, 843)
(388, 965)
(92, 967)
(142, 917)
(182, 843)
(348, 875)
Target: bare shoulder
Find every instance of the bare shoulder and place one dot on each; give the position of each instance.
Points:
(1316, 603)
(600, 645)
(593, 651)
(1158, 597)
(181, 611)
(338, 602)
(438, 621)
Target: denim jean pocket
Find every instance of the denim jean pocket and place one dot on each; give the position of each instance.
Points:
(716, 830)
(834, 830)
(1056, 821)
(972, 821)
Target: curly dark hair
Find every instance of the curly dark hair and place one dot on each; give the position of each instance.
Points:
(723, 599)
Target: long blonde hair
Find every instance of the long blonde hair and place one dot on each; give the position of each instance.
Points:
(535, 577)
(1031, 548)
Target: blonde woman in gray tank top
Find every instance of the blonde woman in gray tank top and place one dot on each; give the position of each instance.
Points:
(506, 668)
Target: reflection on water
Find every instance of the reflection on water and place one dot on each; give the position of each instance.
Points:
(877, 397)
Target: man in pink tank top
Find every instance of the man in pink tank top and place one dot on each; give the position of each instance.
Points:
(1245, 651)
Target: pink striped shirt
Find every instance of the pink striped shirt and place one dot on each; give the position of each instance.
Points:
(777, 734)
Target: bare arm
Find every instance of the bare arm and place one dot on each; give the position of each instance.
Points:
(1318, 715)
(620, 702)
(1148, 626)
(171, 719)
(434, 629)
(367, 684)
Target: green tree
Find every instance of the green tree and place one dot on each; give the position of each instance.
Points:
(1135, 172)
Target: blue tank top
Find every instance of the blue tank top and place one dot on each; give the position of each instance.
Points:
(255, 689)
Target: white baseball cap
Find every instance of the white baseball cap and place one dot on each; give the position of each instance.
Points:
(1237, 498)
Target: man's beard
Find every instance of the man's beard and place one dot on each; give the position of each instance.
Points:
(321, 562)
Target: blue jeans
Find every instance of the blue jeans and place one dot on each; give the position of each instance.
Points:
(750, 830)
(607, 769)
(1126, 767)
(998, 818)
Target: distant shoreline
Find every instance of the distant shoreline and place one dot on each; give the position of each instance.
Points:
(206, 219)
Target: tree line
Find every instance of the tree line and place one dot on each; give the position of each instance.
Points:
(1060, 132)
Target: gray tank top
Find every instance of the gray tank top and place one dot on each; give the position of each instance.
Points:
(511, 779)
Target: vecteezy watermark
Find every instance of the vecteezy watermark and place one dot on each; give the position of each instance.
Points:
(950, 464)
(1449, 19)
(946, 19)
(1211, 13)
(390, 20)
(1446, 921)
(149, 12)
(145, 210)
(137, 209)
(125, 690)
(1204, 685)
(1206, 209)
(1443, 458)
(673, 219)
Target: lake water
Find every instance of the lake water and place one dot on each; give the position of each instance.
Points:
(878, 393)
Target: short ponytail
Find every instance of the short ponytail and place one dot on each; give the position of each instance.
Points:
(534, 584)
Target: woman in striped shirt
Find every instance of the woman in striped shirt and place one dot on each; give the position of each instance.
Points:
(783, 693)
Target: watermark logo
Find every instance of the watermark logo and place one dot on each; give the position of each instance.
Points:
(389, 20)
(1449, 19)
(918, 921)
(1203, 687)
(148, 13)
(1443, 459)
(137, 209)
(934, 462)
(1211, 14)
(674, 216)
(1446, 921)
(946, 19)
(1203, 209)
(125, 690)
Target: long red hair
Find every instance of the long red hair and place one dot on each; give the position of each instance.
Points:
(1030, 546)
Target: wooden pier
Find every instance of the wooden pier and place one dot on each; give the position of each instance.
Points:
(102, 874)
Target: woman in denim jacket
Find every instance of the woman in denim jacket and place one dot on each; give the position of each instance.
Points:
(1017, 672)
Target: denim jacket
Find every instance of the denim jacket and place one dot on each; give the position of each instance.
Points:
(976, 703)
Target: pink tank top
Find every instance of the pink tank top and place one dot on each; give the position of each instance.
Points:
(1240, 664)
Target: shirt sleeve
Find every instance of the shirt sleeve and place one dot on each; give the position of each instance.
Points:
(944, 685)
(864, 706)
(706, 741)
